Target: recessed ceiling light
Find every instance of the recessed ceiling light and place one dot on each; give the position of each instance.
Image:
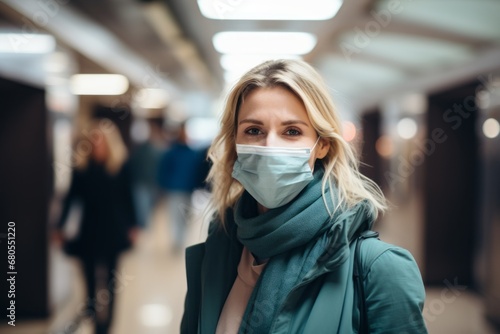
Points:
(269, 9)
(235, 65)
(27, 43)
(244, 62)
(98, 84)
(246, 42)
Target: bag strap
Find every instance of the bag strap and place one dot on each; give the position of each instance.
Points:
(358, 281)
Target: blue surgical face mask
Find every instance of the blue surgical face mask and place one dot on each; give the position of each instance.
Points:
(273, 175)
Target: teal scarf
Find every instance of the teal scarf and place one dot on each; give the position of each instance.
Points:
(297, 239)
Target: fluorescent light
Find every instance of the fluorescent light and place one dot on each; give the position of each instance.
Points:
(269, 10)
(98, 84)
(27, 43)
(235, 65)
(244, 62)
(235, 42)
(152, 98)
(407, 50)
(477, 19)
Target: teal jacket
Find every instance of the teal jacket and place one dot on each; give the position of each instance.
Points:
(393, 287)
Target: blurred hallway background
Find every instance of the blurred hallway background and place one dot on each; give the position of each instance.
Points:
(417, 84)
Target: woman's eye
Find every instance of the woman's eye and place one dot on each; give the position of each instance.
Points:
(253, 131)
(293, 132)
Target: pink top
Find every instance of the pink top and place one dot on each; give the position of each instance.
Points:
(236, 302)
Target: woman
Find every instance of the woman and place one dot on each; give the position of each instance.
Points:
(289, 204)
(101, 184)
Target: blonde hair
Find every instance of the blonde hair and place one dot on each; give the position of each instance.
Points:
(340, 162)
(95, 131)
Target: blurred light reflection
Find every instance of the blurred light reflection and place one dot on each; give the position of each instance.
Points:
(155, 315)
(491, 128)
(407, 128)
(384, 146)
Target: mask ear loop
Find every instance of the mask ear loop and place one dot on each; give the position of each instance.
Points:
(312, 149)
(314, 146)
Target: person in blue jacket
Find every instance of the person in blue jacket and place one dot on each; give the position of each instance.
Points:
(289, 204)
(178, 176)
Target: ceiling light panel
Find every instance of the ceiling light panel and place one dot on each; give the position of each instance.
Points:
(235, 65)
(246, 42)
(357, 77)
(409, 51)
(27, 43)
(477, 19)
(98, 84)
(236, 62)
(269, 9)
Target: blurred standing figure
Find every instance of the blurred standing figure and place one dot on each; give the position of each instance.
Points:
(178, 176)
(144, 160)
(101, 183)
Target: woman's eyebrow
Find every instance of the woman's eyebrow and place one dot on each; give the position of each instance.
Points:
(291, 122)
(249, 120)
(255, 121)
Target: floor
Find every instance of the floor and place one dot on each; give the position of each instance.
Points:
(152, 286)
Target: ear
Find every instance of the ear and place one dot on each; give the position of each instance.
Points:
(323, 147)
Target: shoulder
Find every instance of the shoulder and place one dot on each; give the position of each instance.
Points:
(384, 259)
(383, 263)
(394, 290)
(373, 251)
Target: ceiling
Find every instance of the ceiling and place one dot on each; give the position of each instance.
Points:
(369, 51)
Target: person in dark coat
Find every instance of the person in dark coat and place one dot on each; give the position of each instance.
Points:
(101, 184)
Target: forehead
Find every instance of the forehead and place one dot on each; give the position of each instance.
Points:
(272, 101)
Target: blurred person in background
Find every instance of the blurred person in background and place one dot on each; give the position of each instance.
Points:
(101, 184)
(204, 170)
(178, 176)
(290, 211)
(144, 159)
